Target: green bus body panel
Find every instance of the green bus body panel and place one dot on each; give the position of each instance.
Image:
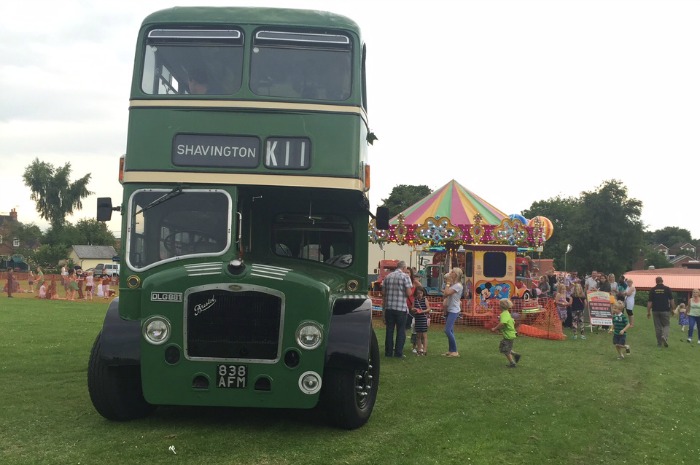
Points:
(327, 132)
(309, 290)
(305, 298)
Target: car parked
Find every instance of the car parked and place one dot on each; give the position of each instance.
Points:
(107, 269)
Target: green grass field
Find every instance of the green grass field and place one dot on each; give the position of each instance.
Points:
(569, 402)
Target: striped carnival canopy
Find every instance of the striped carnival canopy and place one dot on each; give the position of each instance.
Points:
(452, 201)
(452, 216)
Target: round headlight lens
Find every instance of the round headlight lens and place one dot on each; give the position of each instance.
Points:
(309, 335)
(156, 330)
(310, 382)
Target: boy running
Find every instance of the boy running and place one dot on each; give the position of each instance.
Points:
(507, 326)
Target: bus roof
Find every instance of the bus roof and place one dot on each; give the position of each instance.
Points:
(248, 15)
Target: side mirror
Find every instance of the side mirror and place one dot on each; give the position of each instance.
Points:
(104, 208)
(382, 218)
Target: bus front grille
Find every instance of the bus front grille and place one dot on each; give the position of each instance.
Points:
(233, 325)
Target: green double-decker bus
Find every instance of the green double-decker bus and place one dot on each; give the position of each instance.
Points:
(244, 220)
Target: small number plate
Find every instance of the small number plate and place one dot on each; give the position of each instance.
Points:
(232, 376)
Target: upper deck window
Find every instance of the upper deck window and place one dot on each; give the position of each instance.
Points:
(301, 65)
(193, 61)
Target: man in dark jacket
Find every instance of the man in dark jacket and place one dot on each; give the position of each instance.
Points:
(660, 304)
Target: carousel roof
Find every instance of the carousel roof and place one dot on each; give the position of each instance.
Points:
(452, 201)
(453, 215)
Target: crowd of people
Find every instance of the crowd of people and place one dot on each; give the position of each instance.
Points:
(76, 285)
(405, 307)
(403, 300)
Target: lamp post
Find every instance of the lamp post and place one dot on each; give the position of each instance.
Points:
(568, 249)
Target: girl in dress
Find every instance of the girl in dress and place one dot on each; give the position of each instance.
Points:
(52, 293)
(72, 286)
(562, 301)
(42, 291)
(89, 285)
(420, 315)
(682, 316)
(105, 286)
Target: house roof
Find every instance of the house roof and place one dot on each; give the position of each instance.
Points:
(94, 252)
(678, 279)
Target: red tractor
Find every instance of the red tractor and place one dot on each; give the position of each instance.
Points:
(384, 268)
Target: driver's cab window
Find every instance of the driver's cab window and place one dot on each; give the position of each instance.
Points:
(318, 238)
(166, 225)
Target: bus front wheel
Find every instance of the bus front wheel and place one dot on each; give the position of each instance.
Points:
(349, 395)
(115, 391)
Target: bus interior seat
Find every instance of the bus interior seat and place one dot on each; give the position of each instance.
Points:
(281, 249)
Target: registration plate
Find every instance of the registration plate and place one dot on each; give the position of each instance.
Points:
(232, 376)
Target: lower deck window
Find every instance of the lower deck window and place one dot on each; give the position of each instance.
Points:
(320, 238)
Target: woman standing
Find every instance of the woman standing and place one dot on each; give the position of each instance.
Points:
(603, 284)
(630, 292)
(578, 303)
(453, 295)
(621, 288)
(694, 315)
(416, 284)
(613, 285)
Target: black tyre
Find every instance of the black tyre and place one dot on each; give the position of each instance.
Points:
(349, 395)
(115, 391)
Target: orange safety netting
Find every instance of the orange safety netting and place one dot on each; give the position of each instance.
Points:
(545, 324)
(534, 317)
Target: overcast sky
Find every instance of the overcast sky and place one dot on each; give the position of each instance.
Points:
(519, 101)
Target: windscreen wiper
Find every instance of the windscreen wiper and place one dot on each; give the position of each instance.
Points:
(172, 194)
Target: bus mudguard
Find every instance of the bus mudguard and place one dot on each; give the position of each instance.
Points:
(350, 334)
(121, 338)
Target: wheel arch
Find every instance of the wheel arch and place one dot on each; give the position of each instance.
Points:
(121, 339)
(350, 334)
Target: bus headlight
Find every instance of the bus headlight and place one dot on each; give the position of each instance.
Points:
(309, 335)
(156, 330)
(310, 382)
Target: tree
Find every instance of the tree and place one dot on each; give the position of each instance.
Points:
(48, 256)
(93, 232)
(656, 259)
(559, 211)
(609, 229)
(86, 232)
(603, 227)
(669, 236)
(403, 196)
(29, 236)
(55, 195)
